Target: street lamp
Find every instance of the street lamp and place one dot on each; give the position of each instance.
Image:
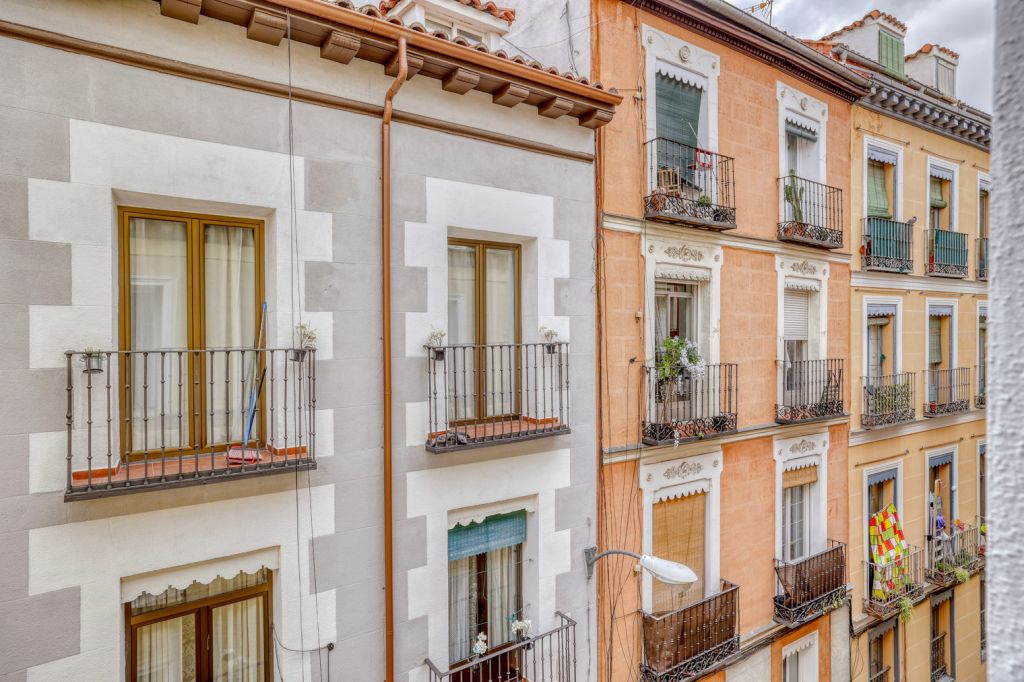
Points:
(664, 570)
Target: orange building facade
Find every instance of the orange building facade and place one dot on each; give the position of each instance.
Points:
(724, 267)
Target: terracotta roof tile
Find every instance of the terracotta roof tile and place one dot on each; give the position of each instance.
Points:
(377, 13)
(873, 14)
(506, 13)
(928, 47)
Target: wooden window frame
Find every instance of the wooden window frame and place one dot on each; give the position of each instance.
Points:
(203, 609)
(196, 316)
(480, 323)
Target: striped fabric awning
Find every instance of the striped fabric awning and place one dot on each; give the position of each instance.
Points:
(882, 155)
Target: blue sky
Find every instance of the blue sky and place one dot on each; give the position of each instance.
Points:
(965, 26)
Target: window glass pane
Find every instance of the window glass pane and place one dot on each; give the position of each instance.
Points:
(795, 520)
(675, 311)
(158, 308)
(238, 641)
(229, 276)
(165, 651)
(792, 667)
(461, 294)
(501, 296)
(874, 351)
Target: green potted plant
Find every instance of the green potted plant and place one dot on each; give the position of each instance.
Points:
(795, 197)
(93, 361)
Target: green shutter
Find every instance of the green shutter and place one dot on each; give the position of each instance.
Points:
(890, 52)
(934, 340)
(677, 110)
(878, 196)
(937, 201)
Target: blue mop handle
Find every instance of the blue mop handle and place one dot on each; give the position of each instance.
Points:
(251, 412)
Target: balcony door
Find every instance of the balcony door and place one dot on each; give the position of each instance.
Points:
(191, 288)
(484, 372)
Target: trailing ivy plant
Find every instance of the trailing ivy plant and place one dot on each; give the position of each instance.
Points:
(906, 609)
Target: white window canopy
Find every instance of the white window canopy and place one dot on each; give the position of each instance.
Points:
(682, 273)
(886, 156)
(801, 126)
(940, 173)
(156, 582)
(682, 75)
(802, 284)
(682, 490)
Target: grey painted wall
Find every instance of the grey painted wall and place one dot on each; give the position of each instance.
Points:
(41, 89)
(1006, 411)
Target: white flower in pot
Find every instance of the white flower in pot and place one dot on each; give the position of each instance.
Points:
(480, 646)
(434, 341)
(92, 358)
(550, 339)
(306, 335)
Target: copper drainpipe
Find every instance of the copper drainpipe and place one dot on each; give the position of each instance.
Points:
(385, 245)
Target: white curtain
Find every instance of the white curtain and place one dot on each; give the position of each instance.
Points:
(502, 594)
(230, 322)
(166, 651)
(462, 608)
(238, 642)
(461, 364)
(158, 267)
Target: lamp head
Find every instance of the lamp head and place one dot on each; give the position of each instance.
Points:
(667, 571)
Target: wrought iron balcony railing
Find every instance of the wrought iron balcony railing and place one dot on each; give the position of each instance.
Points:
(139, 420)
(946, 253)
(949, 391)
(684, 405)
(689, 185)
(888, 400)
(954, 555)
(887, 245)
(811, 389)
(938, 658)
(888, 582)
(684, 644)
(981, 244)
(811, 586)
(810, 212)
(981, 397)
(485, 394)
(549, 657)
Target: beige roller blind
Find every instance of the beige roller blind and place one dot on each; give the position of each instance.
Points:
(799, 477)
(678, 535)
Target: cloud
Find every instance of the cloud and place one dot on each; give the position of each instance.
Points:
(964, 27)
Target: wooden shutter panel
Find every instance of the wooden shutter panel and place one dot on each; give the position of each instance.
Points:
(878, 196)
(795, 312)
(677, 108)
(798, 477)
(678, 535)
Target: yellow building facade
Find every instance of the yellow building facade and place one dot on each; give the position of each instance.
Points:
(919, 225)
